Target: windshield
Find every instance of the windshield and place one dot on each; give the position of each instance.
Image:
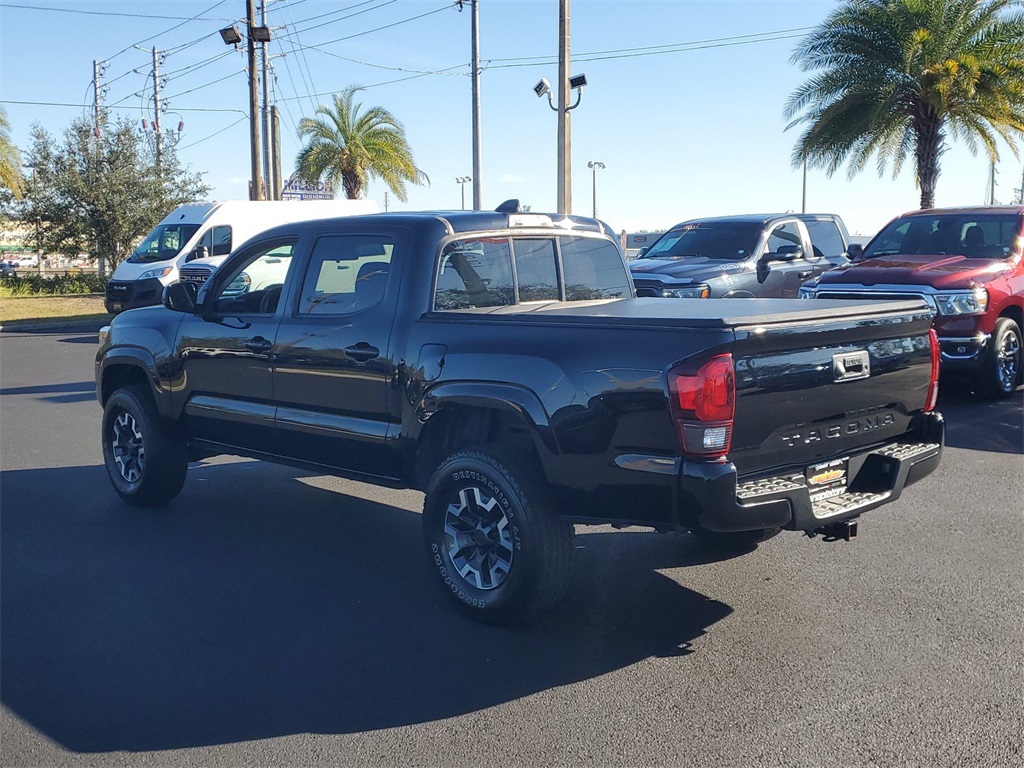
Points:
(728, 241)
(974, 235)
(163, 243)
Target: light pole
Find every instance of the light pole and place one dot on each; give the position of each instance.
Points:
(593, 165)
(462, 181)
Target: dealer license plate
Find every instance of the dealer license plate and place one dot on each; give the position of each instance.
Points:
(828, 479)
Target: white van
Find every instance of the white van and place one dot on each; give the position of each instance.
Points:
(207, 231)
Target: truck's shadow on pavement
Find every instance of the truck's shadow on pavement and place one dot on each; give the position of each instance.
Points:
(258, 606)
(981, 425)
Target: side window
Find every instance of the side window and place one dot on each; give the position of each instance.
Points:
(475, 273)
(536, 269)
(221, 239)
(826, 239)
(346, 273)
(255, 285)
(593, 269)
(784, 234)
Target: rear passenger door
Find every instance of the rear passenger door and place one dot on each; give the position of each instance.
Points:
(828, 246)
(333, 362)
(781, 278)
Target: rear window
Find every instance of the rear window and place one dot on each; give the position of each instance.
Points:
(479, 273)
(975, 235)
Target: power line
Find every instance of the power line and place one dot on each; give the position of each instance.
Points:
(205, 85)
(112, 13)
(197, 17)
(446, 71)
(215, 133)
(308, 85)
(341, 18)
(375, 85)
(111, 106)
(387, 26)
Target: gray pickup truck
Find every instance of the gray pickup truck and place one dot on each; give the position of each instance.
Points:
(753, 256)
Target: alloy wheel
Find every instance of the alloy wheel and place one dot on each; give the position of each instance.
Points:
(479, 540)
(1008, 360)
(127, 446)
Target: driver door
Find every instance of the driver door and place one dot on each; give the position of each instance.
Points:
(783, 268)
(226, 350)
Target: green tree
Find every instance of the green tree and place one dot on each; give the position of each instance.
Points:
(10, 160)
(100, 194)
(895, 77)
(346, 147)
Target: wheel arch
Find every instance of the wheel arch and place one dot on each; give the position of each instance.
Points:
(461, 415)
(123, 368)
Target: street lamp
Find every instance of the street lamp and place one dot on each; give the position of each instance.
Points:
(593, 165)
(462, 181)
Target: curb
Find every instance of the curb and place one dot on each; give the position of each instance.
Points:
(85, 325)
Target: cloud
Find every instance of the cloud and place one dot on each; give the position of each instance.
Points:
(511, 178)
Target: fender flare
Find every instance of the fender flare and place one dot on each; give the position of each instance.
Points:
(500, 396)
(130, 357)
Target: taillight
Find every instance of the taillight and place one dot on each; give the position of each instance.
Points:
(703, 405)
(933, 385)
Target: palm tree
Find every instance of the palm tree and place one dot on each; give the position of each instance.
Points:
(10, 159)
(900, 76)
(347, 148)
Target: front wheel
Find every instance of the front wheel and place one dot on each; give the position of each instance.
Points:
(145, 457)
(498, 548)
(1001, 371)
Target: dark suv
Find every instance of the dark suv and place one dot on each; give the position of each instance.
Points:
(741, 256)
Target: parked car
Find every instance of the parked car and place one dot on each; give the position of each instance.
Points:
(206, 231)
(8, 268)
(740, 256)
(500, 362)
(29, 262)
(967, 263)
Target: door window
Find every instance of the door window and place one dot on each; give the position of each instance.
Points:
(826, 240)
(255, 285)
(346, 273)
(784, 234)
(216, 241)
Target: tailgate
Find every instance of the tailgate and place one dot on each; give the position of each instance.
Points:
(813, 390)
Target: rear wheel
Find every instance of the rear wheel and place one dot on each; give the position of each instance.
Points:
(145, 457)
(500, 552)
(733, 540)
(1001, 371)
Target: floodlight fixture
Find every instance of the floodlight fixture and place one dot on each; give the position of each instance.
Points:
(578, 81)
(542, 87)
(260, 34)
(231, 35)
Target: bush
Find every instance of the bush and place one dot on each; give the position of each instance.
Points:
(51, 285)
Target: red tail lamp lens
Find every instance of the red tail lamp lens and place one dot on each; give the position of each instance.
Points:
(703, 405)
(710, 394)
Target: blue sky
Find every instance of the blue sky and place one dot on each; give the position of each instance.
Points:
(692, 126)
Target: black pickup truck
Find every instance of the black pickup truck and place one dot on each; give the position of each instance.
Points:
(501, 363)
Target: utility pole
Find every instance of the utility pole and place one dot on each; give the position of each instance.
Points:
(992, 183)
(385, 201)
(101, 266)
(256, 191)
(275, 148)
(156, 108)
(477, 194)
(564, 128)
(268, 164)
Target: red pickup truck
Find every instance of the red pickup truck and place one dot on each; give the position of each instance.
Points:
(968, 264)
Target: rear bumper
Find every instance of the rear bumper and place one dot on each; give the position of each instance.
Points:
(711, 497)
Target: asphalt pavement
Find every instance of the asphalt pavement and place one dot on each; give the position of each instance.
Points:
(269, 616)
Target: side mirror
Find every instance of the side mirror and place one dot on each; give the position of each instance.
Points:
(854, 251)
(180, 297)
(787, 252)
(199, 252)
(643, 250)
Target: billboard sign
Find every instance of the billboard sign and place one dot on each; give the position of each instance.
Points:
(297, 189)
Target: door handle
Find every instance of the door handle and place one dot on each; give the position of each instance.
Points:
(808, 273)
(362, 352)
(258, 345)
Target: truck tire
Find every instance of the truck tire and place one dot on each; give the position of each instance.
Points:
(145, 456)
(733, 541)
(499, 550)
(1001, 370)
